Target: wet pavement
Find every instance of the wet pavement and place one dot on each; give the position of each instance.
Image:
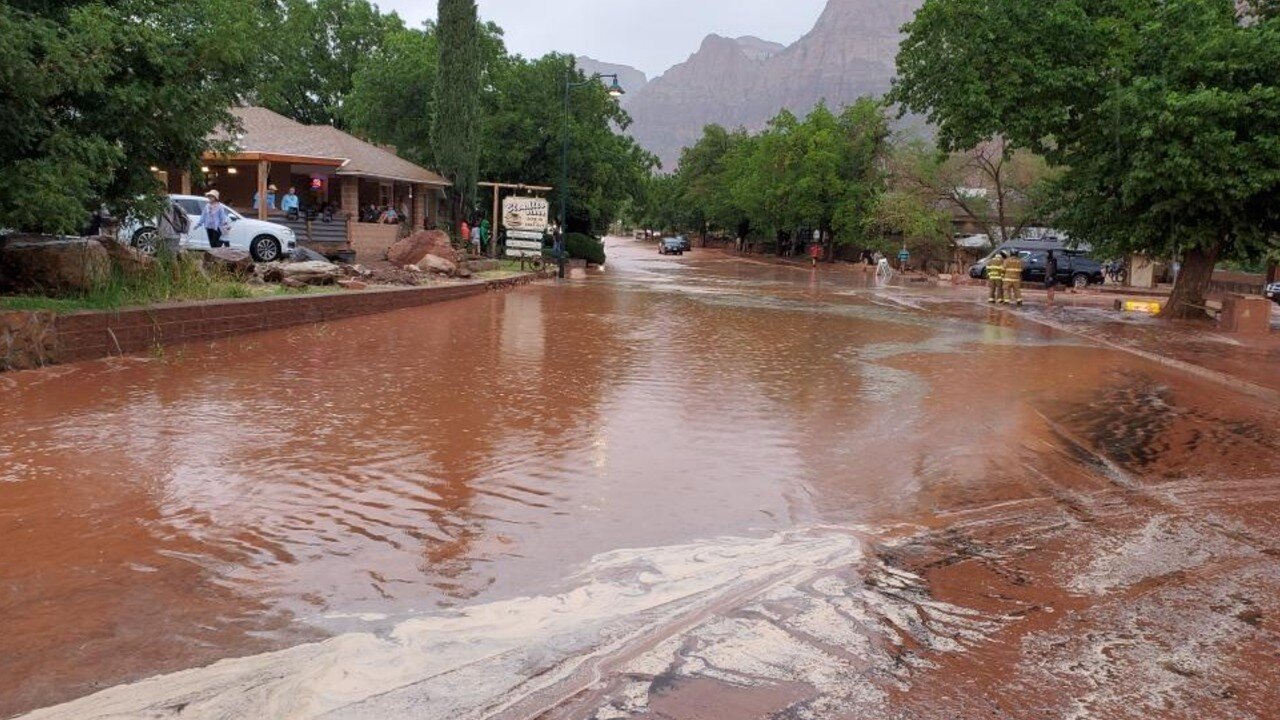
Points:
(686, 488)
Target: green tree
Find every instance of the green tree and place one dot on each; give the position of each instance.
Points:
(523, 121)
(864, 148)
(96, 93)
(455, 129)
(1165, 114)
(309, 54)
(1002, 191)
(392, 98)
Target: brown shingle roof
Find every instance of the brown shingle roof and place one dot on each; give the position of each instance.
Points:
(269, 132)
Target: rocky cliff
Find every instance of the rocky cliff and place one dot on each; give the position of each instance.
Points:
(745, 81)
(631, 79)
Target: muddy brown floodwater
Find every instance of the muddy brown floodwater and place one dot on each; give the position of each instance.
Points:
(694, 488)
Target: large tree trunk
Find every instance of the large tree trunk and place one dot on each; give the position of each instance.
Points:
(1187, 300)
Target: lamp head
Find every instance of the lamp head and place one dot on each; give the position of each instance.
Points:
(615, 90)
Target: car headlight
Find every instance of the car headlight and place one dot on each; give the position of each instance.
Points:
(288, 234)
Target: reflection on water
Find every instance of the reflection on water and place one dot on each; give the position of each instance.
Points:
(338, 480)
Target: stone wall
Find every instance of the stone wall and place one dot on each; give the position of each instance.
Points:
(27, 340)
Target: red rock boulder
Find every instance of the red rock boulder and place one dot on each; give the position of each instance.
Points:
(411, 250)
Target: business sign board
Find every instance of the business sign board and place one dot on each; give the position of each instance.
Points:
(525, 213)
(525, 219)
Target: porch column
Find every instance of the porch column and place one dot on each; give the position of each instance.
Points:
(264, 169)
(351, 196)
(418, 213)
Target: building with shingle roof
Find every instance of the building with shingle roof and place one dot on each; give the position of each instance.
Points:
(341, 180)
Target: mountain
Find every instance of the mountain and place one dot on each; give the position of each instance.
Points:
(631, 79)
(746, 81)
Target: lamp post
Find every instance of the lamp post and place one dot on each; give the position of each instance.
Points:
(615, 90)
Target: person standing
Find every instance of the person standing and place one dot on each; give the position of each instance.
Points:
(271, 198)
(464, 230)
(995, 277)
(815, 250)
(1013, 279)
(289, 203)
(1050, 275)
(215, 219)
(904, 256)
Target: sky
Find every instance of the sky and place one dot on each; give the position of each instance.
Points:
(651, 35)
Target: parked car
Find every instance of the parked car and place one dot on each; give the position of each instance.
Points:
(685, 245)
(671, 246)
(1272, 292)
(1074, 268)
(265, 241)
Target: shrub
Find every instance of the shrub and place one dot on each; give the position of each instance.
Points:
(584, 247)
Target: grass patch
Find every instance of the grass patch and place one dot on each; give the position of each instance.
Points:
(171, 279)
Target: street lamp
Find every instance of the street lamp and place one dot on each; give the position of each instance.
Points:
(615, 90)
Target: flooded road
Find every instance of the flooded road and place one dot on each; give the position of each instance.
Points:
(685, 488)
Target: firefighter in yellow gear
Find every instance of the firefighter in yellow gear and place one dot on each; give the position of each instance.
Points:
(995, 277)
(1013, 279)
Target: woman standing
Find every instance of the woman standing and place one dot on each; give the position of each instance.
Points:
(215, 219)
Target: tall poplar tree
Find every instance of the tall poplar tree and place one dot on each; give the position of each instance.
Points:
(455, 129)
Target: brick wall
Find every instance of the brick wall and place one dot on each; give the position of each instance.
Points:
(371, 240)
(93, 335)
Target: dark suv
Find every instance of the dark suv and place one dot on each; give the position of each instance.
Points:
(1074, 268)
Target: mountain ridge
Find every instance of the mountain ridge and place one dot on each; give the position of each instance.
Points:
(743, 82)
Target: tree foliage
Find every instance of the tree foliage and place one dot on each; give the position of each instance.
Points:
(823, 172)
(455, 128)
(309, 52)
(523, 124)
(94, 94)
(1165, 114)
(1002, 191)
(392, 98)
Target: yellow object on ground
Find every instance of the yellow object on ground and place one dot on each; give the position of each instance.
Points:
(1142, 306)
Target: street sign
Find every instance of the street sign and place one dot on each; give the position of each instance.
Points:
(518, 253)
(525, 235)
(525, 214)
(524, 244)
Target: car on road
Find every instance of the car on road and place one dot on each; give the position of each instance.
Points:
(1074, 268)
(685, 245)
(1272, 292)
(671, 246)
(264, 241)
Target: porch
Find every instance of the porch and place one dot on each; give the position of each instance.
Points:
(354, 198)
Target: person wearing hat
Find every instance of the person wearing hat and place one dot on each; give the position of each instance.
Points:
(215, 219)
(271, 198)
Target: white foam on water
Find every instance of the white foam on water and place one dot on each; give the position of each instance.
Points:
(477, 661)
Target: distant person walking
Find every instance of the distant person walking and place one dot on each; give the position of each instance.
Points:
(215, 219)
(995, 277)
(1050, 276)
(904, 256)
(464, 231)
(486, 235)
(1013, 279)
(815, 252)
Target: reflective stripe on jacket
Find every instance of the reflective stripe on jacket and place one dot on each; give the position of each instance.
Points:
(1013, 269)
(995, 270)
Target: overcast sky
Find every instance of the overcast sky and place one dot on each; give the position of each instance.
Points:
(652, 35)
